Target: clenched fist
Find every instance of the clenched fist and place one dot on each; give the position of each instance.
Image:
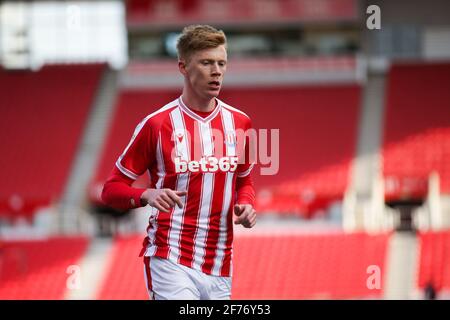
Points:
(246, 215)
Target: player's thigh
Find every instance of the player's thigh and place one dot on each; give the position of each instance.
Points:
(220, 289)
(170, 282)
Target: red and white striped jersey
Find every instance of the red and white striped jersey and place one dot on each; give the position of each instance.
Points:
(204, 156)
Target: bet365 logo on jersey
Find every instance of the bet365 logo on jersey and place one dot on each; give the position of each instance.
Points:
(206, 164)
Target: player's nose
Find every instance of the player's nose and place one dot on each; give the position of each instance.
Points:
(215, 70)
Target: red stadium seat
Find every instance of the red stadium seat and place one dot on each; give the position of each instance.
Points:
(42, 118)
(434, 259)
(417, 129)
(272, 266)
(317, 266)
(124, 277)
(37, 269)
(318, 135)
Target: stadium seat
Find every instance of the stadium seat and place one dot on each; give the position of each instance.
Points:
(272, 266)
(124, 277)
(42, 118)
(434, 259)
(302, 266)
(318, 134)
(417, 129)
(37, 269)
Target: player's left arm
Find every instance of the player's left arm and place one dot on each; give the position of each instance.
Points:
(244, 207)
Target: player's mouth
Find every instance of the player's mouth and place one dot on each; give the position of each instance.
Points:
(214, 85)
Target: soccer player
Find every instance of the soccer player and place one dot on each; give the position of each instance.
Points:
(200, 168)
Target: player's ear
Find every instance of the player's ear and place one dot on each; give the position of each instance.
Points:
(182, 66)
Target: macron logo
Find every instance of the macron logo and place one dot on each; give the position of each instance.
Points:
(206, 164)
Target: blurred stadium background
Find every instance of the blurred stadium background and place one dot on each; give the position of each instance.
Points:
(360, 207)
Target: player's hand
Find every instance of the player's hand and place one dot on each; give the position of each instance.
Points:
(162, 199)
(246, 215)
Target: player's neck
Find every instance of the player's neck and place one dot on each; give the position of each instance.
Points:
(198, 104)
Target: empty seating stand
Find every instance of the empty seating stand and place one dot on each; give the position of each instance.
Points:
(417, 129)
(318, 134)
(273, 266)
(124, 274)
(42, 117)
(38, 269)
(301, 266)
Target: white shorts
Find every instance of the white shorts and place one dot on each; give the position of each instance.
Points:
(167, 280)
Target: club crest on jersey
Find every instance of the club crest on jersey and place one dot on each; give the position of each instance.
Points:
(179, 135)
(230, 138)
(180, 139)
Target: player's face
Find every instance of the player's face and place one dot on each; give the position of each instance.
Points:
(205, 70)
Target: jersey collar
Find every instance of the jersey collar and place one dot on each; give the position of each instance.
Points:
(195, 116)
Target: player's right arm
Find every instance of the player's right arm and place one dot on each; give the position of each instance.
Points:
(118, 193)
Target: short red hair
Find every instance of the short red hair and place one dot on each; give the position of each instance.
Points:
(199, 37)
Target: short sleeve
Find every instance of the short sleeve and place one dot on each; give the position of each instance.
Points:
(138, 155)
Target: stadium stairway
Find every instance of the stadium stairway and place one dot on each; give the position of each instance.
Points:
(367, 161)
(92, 270)
(402, 260)
(87, 155)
